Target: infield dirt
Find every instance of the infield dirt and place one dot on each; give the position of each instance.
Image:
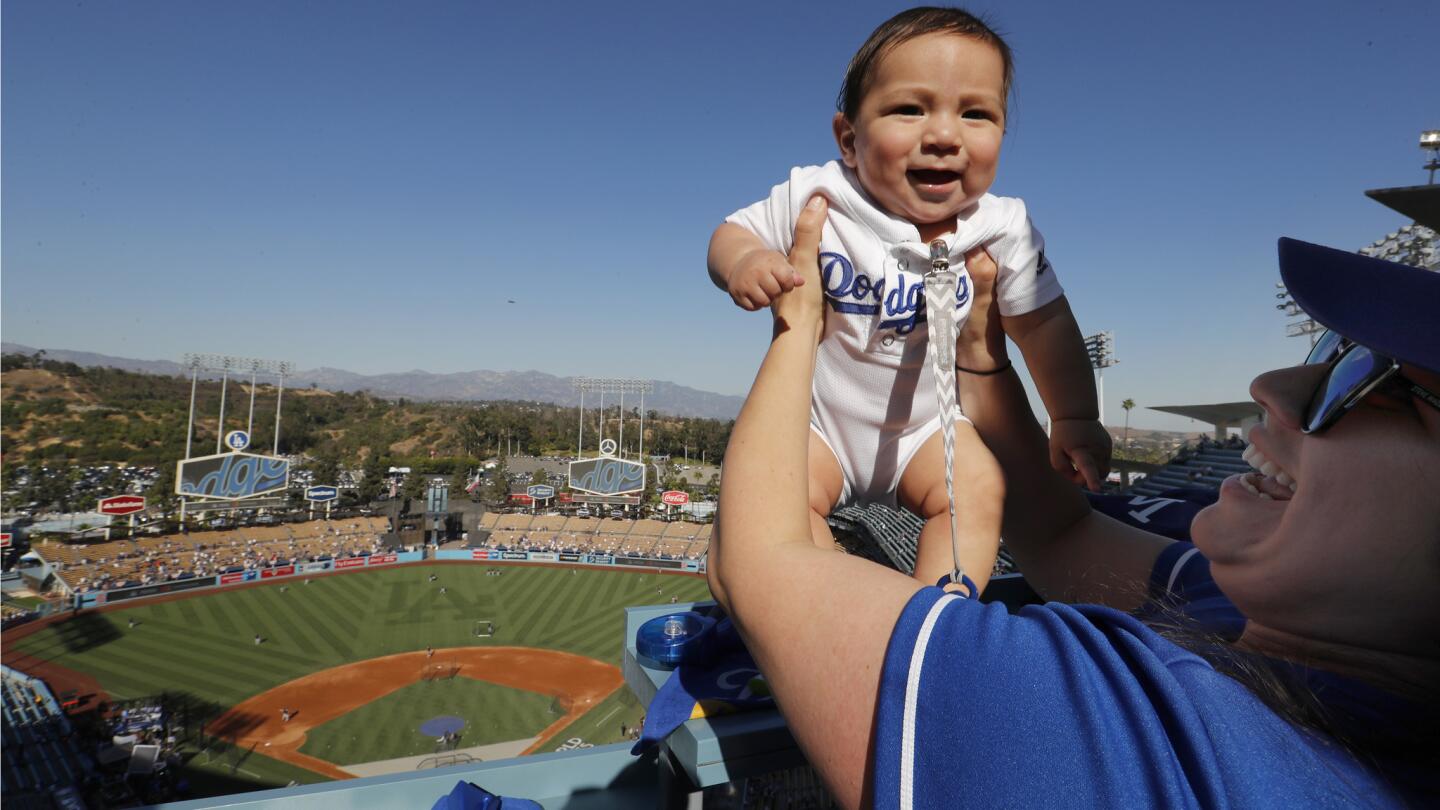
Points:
(320, 697)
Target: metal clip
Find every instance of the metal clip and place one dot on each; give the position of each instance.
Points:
(939, 256)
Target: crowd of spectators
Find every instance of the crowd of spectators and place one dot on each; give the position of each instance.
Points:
(654, 539)
(145, 561)
(12, 615)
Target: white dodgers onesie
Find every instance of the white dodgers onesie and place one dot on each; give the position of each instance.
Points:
(873, 399)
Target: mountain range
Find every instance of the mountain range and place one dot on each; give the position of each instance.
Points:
(474, 386)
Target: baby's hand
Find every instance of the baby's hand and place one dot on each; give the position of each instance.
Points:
(760, 278)
(1080, 451)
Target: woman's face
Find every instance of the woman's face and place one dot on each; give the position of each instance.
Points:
(1353, 554)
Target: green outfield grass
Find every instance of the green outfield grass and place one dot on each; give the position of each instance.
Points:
(204, 646)
(600, 725)
(390, 727)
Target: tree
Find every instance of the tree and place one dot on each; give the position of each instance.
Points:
(414, 487)
(161, 494)
(537, 477)
(326, 470)
(458, 481)
(1127, 405)
(497, 489)
(372, 480)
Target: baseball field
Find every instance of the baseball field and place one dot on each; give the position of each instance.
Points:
(361, 662)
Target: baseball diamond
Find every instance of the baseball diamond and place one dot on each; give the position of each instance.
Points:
(557, 641)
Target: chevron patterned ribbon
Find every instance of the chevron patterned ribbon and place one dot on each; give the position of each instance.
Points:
(940, 327)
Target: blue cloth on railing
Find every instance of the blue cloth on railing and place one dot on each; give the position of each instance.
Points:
(469, 796)
(724, 680)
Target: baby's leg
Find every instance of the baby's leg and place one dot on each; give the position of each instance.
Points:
(979, 503)
(826, 484)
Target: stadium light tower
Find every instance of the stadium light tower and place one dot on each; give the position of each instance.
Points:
(1430, 142)
(1101, 348)
(1305, 327)
(612, 385)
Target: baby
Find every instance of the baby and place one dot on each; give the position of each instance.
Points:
(921, 120)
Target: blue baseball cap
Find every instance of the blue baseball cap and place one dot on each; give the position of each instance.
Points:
(1388, 307)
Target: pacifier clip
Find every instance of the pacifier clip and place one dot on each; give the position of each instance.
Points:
(940, 285)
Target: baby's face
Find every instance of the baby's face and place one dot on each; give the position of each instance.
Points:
(926, 139)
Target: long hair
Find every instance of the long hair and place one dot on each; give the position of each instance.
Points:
(1400, 749)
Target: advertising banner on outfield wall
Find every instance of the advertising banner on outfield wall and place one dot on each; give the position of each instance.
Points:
(544, 556)
(479, 553)
(381, 559)
(349, 562)
(571, 558)
(312, 567)
(233, 577)
(602, 559)
(163, 587)
(512, 555)
(277, 571)
(647, 562)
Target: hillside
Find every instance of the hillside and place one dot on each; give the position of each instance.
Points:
(54, 410)
(477, 386)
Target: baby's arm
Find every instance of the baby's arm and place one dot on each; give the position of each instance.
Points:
(741, 265)
(1049, 338)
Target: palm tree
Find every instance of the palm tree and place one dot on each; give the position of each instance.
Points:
(1127, 405)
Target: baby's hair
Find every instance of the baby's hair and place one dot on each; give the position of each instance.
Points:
(903, 27)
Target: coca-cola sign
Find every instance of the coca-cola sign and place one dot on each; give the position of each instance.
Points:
(675, 497)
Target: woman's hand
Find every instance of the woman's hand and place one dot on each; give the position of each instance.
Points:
(803, 306)
(980, 345)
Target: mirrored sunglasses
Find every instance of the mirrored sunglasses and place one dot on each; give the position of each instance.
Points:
(1354, 372)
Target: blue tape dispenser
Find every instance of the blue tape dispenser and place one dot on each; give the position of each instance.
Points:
(673, 639)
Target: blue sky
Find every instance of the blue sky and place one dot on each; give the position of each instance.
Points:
(366, 185)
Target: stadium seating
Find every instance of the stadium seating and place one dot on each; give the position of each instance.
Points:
(1204, 468)
(894, 532)
(515, 522)
(643, 538)
(156, 559)
(41, 753)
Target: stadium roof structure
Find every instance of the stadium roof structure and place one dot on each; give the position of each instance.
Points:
(1420, 203)
(1222, 415)
(72, 523)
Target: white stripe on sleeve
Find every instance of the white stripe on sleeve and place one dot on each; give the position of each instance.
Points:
(912, 689)
(1175, 570)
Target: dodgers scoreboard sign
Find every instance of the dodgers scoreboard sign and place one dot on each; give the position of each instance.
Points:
(122, 505)
(232, 476)
(607, 475)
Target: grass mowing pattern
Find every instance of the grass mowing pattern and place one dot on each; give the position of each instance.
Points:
(204, 646)
(390, 727)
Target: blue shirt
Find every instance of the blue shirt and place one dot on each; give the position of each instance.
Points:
(1085, 706)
